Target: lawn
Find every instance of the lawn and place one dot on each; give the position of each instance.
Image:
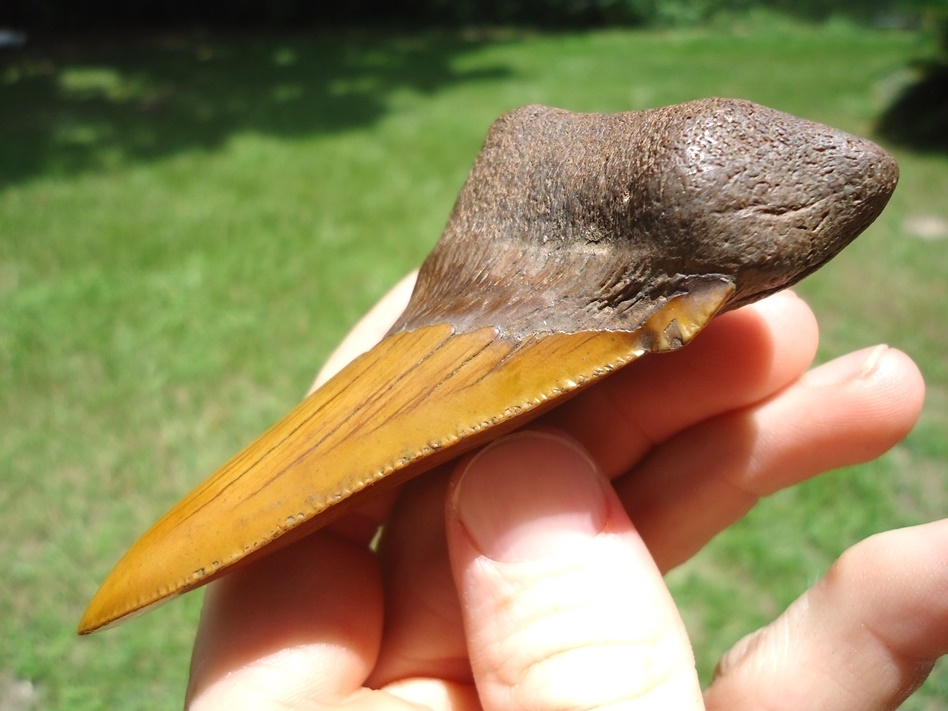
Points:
(189, 222)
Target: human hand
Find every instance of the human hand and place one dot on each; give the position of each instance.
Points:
(515, 579)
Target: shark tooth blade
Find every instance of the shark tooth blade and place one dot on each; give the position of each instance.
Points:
(417, 399)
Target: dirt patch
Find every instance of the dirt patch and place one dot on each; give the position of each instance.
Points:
(17, 694)
(926, 227)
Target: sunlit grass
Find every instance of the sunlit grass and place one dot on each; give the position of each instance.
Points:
(188, 223)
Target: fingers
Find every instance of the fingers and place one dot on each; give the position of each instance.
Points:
(703, 479)
(563, 606)
(864, 637)
(423, 633)
(303, 623)
(740, 358)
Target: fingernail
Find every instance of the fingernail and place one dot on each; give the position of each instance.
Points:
(854, 366)
(528, 495)
(871, 363)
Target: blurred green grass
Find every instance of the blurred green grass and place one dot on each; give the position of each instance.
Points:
(189, 222)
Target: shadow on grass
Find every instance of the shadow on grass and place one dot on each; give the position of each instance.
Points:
(918, 119)
(93, 101)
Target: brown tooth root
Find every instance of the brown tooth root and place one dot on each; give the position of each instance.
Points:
(578, 243)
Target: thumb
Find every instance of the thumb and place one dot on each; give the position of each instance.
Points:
(563, 605)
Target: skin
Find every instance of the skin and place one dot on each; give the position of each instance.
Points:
(528, 575)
